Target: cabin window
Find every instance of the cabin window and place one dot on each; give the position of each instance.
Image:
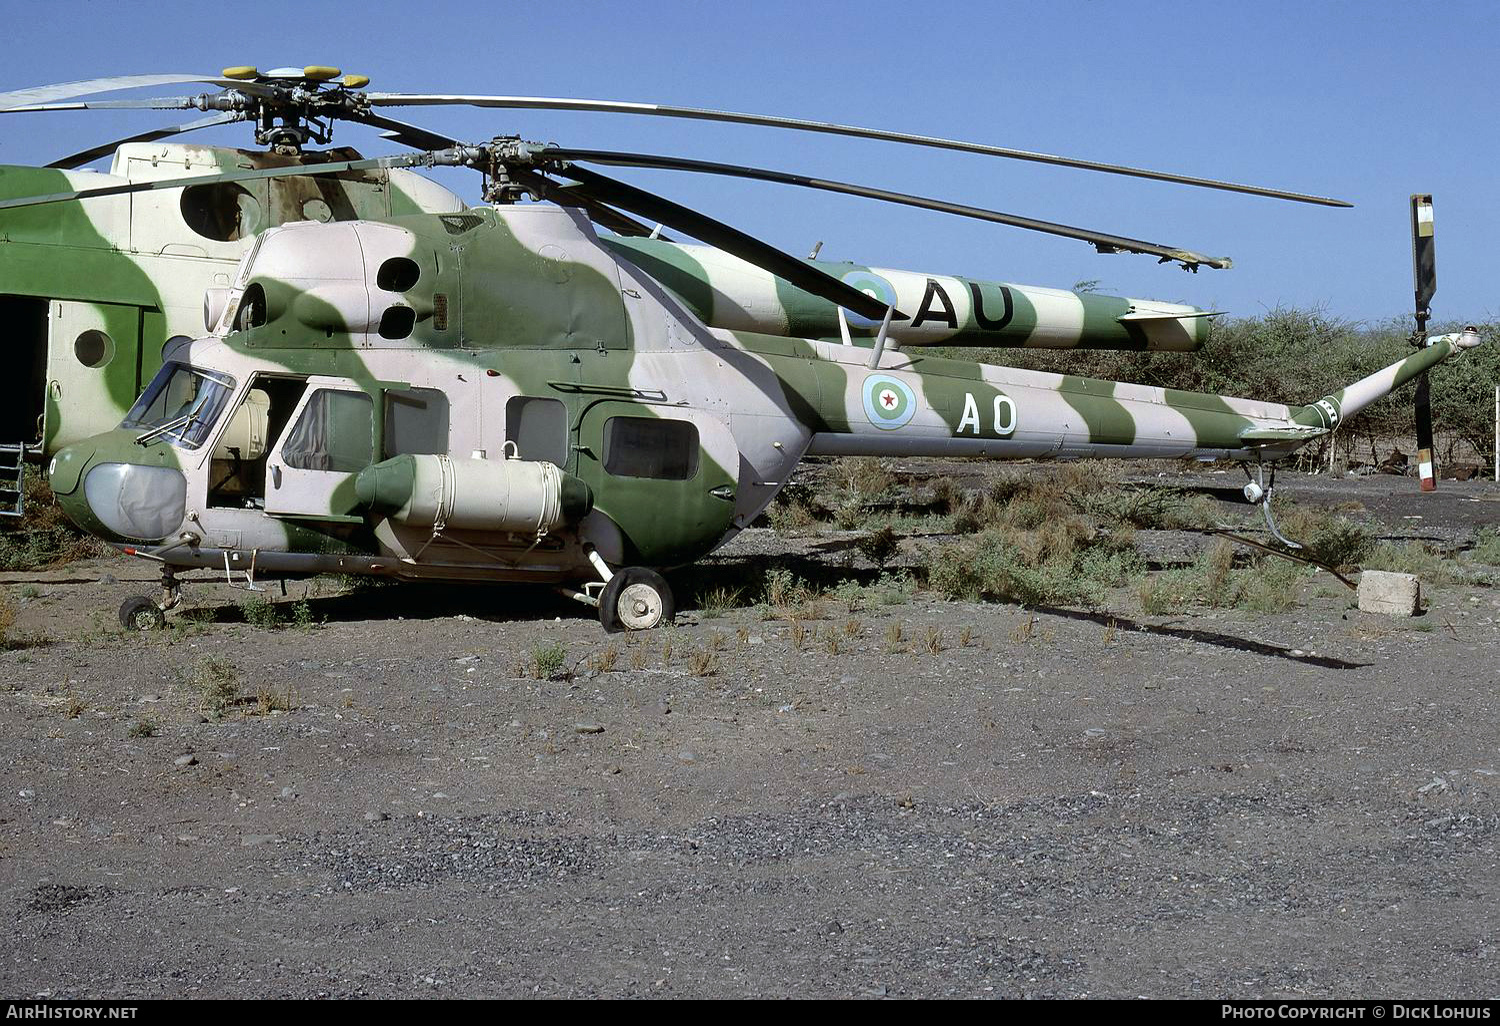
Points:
(416, 421)
(222, 211)
(93, 348)
(335, 433)
(647, 447)
(539, 427)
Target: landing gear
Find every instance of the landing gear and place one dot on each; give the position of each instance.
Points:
(1258, 493)
(635, 599)
(141, 613)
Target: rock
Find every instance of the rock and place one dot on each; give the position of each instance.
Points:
(610, 771)
(377, 817)
(185, 760)
(1393, 594)
(687, 758)
(588, 728)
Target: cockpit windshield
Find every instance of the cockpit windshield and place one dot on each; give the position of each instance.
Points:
(180, 405)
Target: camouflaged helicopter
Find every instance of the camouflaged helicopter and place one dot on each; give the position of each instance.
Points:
(502, 394)
(91, 292)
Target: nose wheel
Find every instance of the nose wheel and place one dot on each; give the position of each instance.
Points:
(635, 599)
(143, 613)
(139, 613)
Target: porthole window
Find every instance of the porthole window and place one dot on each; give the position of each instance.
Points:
(644, 447)
(397, 322)
(222, 211)
(93, 348)
(397, 274)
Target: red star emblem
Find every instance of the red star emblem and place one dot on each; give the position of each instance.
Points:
(888, 399)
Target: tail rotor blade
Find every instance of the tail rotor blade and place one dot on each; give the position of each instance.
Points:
(1424, 277)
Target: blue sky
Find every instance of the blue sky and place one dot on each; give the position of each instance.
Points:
(1367, 101)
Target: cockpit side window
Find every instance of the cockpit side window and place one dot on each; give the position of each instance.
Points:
(181, 405)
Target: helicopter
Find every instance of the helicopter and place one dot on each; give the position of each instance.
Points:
(499, 395)
(93, 292)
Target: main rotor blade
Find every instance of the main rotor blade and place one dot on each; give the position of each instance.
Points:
(293, 171)
(154, 103)
(87, 87)
(409, 135)
(1105, 242)
(601, 213)
(421, 138)
(715, 233)
(802, 125)
(104, 149)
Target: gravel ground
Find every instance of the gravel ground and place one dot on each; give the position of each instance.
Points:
(1031, 804)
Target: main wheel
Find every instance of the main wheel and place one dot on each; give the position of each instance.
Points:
(635, 599)
(139, 613)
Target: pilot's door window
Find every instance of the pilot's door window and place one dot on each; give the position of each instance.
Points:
(331, 439)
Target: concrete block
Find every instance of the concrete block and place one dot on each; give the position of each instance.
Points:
(1392, 594)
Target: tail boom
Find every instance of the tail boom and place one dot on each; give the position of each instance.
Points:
(915, 405)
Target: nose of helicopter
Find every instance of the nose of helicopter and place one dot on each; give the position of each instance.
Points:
(107, 490)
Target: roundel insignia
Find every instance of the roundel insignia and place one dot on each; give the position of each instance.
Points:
(872, 285)
(889, 402)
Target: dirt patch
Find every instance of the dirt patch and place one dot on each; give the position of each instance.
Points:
(924, 797)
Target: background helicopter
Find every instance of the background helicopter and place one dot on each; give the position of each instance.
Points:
(94, 292)
(634, 436)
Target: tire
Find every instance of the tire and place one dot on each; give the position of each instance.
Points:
(636, 599)
(139, 613)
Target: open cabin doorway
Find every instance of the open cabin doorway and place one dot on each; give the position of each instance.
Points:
(23, 395)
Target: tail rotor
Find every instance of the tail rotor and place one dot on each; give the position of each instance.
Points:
(1424, 275)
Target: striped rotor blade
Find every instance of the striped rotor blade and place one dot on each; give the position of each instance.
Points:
(294, 171)
(88, 87)
(614, 193)
(104, 149)
(1101, 240)
(802, 125)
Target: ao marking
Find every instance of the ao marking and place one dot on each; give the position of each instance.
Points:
(1004, 423)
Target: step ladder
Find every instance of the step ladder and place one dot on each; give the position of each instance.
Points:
(13, 479)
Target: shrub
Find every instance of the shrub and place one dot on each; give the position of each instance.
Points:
(879, 546)
(547, 660)
(217, 683)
